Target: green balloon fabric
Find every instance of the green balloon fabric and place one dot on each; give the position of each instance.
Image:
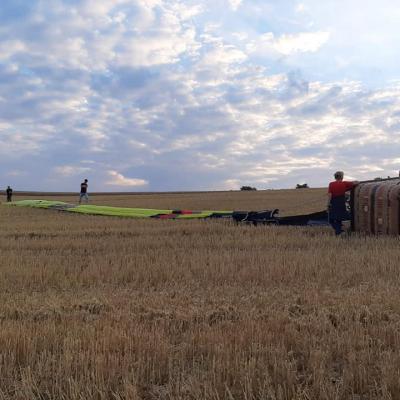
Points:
(118, 211)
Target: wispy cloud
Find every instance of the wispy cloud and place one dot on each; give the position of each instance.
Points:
(175, 96)
(300, 7)
(118, 179)
(287, 44)
(235, 4)
(301, 42)
(71, 170)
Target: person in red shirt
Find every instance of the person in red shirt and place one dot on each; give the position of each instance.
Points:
(337, 201)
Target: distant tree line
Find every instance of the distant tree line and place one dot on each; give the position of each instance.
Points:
(302, 186)
(298, 186)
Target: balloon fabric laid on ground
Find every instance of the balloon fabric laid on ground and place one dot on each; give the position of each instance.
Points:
(120, 211)
(269, 217)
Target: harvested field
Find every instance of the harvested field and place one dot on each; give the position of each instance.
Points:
(98, 307)
(288, 201)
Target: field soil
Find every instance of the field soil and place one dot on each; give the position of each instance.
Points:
(96, 307)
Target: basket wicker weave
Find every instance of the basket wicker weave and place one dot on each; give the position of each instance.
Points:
(376, 207)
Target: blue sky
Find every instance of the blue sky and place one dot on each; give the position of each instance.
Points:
(142, 95)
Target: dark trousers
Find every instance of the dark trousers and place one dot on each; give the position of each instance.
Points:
(337, 226)
(338, 213)
(8, 198)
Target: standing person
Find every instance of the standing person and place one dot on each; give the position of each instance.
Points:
(9, 192)
(83, 193)
(337, 201)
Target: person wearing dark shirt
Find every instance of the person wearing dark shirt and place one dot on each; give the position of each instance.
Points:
(84, 194)
(9, 193)
(337, 201)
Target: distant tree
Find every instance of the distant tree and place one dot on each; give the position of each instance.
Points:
(248, 188)
(302, 186)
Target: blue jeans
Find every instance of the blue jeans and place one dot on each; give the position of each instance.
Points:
(83, 196)
(338, 213)
(336, 225)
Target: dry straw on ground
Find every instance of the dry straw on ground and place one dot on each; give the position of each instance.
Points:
(111, 308)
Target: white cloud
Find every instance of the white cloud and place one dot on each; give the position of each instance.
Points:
(15, 173)
(302, 42)
(230, 184)
(300, 7)
(71, 170)
(235, 4)
(223, 54)
(14, 144)
(184, 98)
(288, 44)
(96, 34)
(118, 179)
(9, 48)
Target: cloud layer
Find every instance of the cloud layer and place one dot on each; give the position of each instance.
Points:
(186, 95)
